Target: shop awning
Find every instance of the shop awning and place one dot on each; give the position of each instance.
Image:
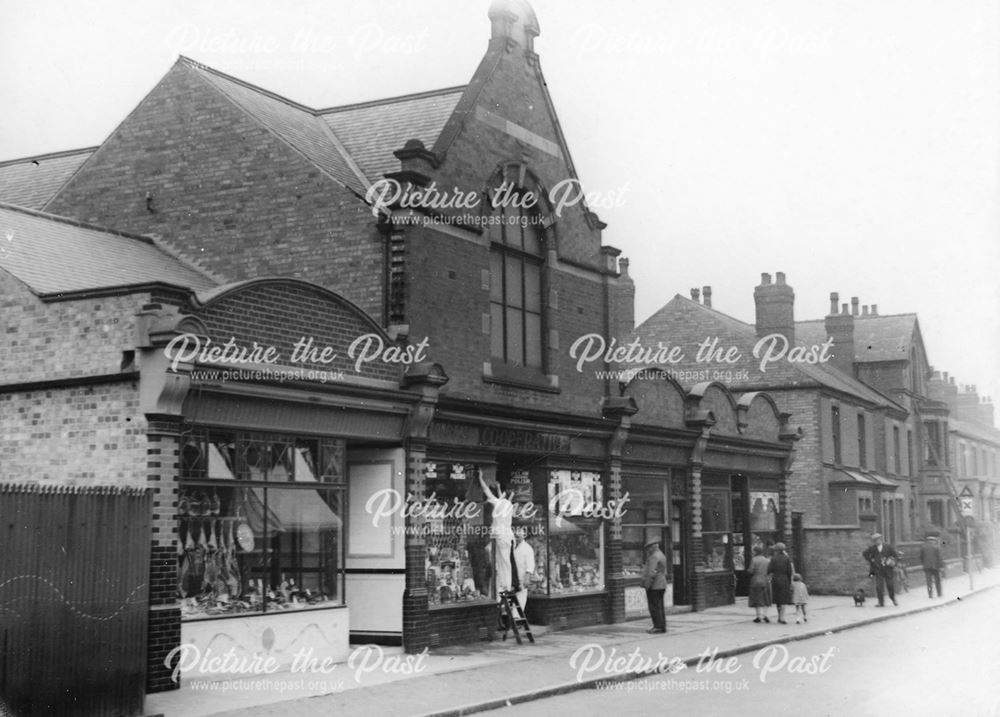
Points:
(865, 479)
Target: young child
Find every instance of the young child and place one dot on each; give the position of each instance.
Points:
(800, 596)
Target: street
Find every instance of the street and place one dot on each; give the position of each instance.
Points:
(936, 663)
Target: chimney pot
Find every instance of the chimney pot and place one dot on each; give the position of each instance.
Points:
(854, 305)
(695, 294)
(844, 309)
(765, 279)
(834, 300)
(874, 309)
(780, 278)
(706, 294)
(864, 310)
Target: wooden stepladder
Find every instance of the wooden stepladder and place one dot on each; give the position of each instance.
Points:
(512, 617)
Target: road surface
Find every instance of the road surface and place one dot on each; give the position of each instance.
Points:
(937, 663)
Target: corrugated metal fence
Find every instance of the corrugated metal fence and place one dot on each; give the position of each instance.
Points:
(74, 568)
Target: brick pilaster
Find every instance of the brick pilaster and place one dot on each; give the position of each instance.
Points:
(416, 635)
(162, 475)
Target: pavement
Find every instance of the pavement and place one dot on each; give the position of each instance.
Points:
(467, 679)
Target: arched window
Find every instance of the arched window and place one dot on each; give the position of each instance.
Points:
(517, 256)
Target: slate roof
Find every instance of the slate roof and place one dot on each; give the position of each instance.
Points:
(354, 143)
(876, 338)
(686, 323)
(55, 255)
(32, 181)
(974, 430)
(372, 131)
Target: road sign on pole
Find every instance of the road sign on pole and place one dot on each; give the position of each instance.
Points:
(965, 500)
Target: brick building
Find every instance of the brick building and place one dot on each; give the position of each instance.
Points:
(273, 345)
(857, 468)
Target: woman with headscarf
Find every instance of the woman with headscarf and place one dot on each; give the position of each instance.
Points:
(780, 570)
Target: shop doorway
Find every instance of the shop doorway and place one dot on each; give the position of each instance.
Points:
(678, 551)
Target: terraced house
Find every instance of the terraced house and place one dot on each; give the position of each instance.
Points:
(873, 454)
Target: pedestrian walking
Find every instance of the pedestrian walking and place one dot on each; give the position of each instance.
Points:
(932, 563)
(760, 587)
(882, 559)
(780, 570)
(800, 596)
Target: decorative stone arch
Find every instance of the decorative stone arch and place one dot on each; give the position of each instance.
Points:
(518, 172)
(281, 312)
(712, 397)
(759, 416)
(660, 402)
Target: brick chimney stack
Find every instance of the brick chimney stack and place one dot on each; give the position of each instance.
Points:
(840, 327)
(775, 307)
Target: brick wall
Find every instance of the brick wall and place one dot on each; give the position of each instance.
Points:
(834, 565)
(447, 296)
(227, 191)
(45, 341)
(568, 612)
(280, 313)
(461, 625)
(87, 435)
(805, 485)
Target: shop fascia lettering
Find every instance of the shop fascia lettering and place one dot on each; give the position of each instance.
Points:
(527, 440)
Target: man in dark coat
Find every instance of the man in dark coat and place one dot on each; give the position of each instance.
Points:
(882, 559)
(932, 562)
(654, 580)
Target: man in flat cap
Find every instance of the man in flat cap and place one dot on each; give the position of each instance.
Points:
(932, 562)
(654, 579)
(882, 559)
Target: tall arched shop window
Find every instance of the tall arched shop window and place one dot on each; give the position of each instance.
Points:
(516, 260)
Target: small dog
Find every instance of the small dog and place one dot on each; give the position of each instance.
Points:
(859, 598)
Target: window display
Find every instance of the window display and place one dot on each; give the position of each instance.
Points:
(644, 517)
(458, 549)
(716, 528)
(259, 524)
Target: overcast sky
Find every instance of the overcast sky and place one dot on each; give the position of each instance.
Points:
(852, 144)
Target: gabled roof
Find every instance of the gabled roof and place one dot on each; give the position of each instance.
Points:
(876, 338)
(686, 324)
(32, 181)
(54, 255)
(354, 143)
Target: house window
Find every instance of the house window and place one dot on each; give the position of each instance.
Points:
(911, 456)
(516, 260)
(835, 423)
(897, 466)
(935, 512)
(862, 442)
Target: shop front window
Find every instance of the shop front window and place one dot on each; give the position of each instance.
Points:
(457, 565)
(716, 525)
(764, 520)
(259, 523)
(644, 519)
